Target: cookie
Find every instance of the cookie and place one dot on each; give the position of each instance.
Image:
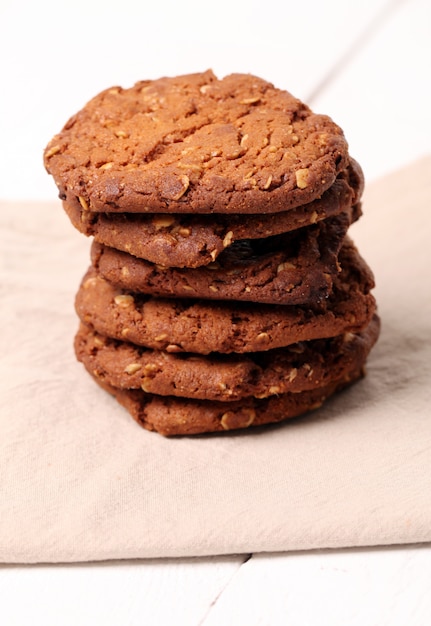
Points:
(192, 241)
(171, 416)
(196, 144)
(203, 326)
(225, 378)
(294, 268)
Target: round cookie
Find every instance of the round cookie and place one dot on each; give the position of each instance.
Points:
(195, 240)
(171, 416)
(202, 326)
(196, 144)
(225, 378)
(294, 268)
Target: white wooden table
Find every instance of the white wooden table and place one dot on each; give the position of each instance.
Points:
(367, 64)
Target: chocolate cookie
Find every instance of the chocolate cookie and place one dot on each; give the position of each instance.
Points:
(180, 416)
(196, 144)
(192, 241)
(295, 368)
(203, 327)
(294, 268)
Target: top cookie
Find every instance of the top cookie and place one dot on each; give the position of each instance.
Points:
(196, 144)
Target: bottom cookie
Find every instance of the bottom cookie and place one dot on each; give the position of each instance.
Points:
(180, 416)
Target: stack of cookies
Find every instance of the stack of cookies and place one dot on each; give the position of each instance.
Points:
(224, 290)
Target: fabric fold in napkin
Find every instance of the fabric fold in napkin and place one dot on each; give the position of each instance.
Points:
(80, 481)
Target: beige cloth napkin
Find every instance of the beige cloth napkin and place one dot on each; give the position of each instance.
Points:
(79, 480)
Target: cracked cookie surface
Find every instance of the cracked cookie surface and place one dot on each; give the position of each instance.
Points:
(196, 144)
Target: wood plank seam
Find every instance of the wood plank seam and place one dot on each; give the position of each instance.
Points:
(353, 50)
(246, 558)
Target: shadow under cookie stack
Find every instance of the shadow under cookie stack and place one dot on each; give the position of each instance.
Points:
(224, 291)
